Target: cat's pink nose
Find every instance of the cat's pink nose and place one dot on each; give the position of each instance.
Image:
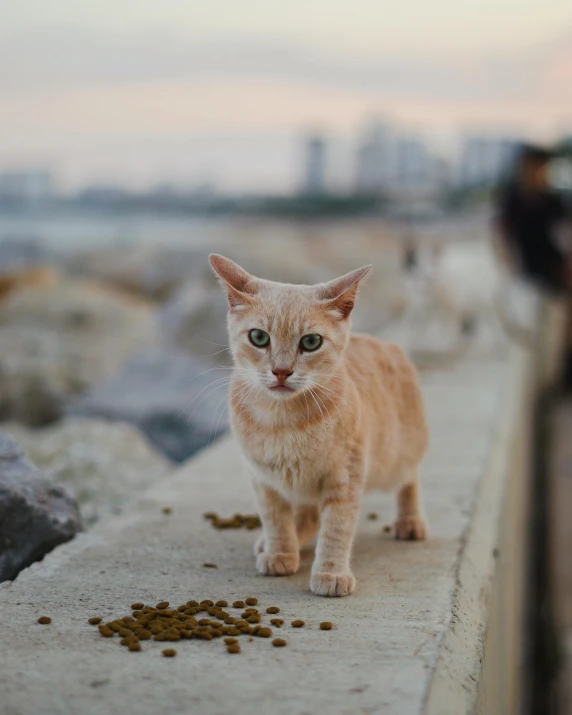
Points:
(282, 374)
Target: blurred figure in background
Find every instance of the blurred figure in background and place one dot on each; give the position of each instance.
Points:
(533, 233)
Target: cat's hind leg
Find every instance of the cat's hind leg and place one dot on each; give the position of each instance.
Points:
(307, 520)
(410, 524)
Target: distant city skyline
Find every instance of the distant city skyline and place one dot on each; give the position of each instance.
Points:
(224, 91)
(388, 162)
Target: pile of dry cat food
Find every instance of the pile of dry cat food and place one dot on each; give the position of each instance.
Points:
(238, 521)
(206, 621)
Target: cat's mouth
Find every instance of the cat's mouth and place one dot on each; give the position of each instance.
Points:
(282, 388)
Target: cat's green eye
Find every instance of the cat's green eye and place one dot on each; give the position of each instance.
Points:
(259, 338)
(311, 342)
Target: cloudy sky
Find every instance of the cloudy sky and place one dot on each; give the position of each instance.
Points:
(147, 90)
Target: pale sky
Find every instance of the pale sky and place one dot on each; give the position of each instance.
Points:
(147, 90)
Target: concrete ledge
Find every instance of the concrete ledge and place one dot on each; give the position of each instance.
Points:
(417, 636)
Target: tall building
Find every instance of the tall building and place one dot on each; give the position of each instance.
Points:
(314, 178)
(375, 159)
(483, 159)
(392, 163)
(26, 187)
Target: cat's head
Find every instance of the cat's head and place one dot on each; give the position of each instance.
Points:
(286, 338)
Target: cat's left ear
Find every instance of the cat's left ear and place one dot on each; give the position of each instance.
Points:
(339, 295)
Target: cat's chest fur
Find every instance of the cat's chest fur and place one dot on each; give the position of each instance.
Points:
(295, 462)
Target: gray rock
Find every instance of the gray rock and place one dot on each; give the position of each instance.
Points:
(194, 321)
(154, 271)
(35, 515)
(104, 465)
(177, 401)
(61, 339)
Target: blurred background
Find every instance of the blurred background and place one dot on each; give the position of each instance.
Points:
(300, 139)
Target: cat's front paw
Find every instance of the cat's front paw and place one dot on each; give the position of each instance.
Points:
(329, 584)
(410, 528)
(277, 564)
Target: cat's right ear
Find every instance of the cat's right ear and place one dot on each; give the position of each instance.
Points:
(240, 286)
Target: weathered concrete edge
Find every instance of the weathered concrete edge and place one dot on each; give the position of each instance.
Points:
(453, 688)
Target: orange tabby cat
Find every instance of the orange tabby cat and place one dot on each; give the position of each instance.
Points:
(320, 415)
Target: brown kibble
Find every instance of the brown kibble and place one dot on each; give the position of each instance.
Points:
(134, 647)
(162, 605)
(298, 624)
(372, 516)
(124, 633)
(234, 648)
(169, 652)
(230, 620)
(326, 626)
(167, 510)
(205, 635)
(264, 632)
(204, 622)
(107, 632)
(144, 635)
(96, 620)
(160, 636)
(252, 522)
(230, 641)
(239, 604)
(387, 529)
(279, 642)
(221, 604)
(232, 631)
(208, 603)
(44, 620)
(137, 606)
(277, 622)
(210, 566)
(254, 618)
(251, 601)
(273, 609)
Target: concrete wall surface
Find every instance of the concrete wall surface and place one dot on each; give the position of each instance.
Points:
(433, 627)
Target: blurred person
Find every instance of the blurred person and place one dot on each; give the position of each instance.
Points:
(533, 234)
(531, 222)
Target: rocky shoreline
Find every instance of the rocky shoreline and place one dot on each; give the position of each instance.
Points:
(112, 361)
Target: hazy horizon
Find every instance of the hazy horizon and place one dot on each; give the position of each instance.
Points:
(176, 91)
